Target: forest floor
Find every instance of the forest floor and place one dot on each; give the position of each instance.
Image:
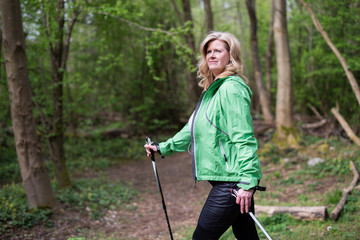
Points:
(143, 218)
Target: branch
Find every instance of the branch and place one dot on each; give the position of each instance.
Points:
(171, 34)
(335, 213)
(46, 25)
(316, 112)
(315, 125)
(68, 37)
(345, 126)
(348, 73)
(138, 25)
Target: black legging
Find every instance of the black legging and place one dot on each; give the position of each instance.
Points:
(220, 212)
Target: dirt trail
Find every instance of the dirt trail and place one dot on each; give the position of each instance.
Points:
(144, 218)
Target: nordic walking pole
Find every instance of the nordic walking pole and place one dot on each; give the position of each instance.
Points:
(260, 226)
(234, 194)
(148, 141)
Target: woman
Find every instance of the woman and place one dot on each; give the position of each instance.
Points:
(223, 147)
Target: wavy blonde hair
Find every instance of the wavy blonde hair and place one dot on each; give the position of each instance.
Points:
(235, 64)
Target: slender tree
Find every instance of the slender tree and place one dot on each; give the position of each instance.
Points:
(59, 45)
(33, 171)
(284, 105)
(209, 15)
(269, 53)
(263, 96)
(190, 40)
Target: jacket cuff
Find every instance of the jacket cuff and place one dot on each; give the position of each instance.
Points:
(157, 147)
(247, 183)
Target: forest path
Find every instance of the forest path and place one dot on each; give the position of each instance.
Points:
(144, 218)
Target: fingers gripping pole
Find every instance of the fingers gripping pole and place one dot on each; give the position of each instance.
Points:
(260, 226)
(148, 141)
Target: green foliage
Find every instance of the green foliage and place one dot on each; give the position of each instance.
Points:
(95, 196)
(9, 167)
(333, 197)
(270, 152)
(15, 212)
(90, 196)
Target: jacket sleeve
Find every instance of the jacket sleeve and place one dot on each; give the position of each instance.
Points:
(179, 143)
(239, 126)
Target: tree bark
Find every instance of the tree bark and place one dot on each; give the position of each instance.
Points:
(269, 53)
(209, 16)
(345, 126)
(309, 213)
(342, 60)
(263, 97)
(244, 50)
(284, 85)
(33, 171)
(195, 90)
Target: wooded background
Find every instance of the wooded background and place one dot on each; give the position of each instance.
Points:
(129, 67)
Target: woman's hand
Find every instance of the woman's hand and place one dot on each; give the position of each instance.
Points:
(148, 148)
(244, 199)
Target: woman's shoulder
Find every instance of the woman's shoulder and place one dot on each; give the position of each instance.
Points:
(235, 84)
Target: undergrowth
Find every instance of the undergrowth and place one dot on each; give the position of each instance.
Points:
(89, 196)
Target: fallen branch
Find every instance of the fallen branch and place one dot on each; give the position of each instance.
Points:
(335, 213)
(316, 112)
(315, 125)
(345, 126)
(308, 213)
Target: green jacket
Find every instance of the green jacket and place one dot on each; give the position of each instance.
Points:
(221, 136)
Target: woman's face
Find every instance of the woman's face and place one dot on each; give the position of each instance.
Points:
(217, 57)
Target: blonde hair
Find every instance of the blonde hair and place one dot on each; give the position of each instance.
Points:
(235, 63)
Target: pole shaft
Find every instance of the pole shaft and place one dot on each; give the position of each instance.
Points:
(260, 226)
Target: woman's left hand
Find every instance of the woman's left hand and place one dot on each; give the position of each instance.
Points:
(244, 199)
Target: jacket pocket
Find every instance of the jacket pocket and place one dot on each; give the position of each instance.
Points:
(223, 153)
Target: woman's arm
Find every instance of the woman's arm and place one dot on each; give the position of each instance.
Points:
(236, 104)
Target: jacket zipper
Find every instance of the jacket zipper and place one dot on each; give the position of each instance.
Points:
(223, 152)
(193, 157)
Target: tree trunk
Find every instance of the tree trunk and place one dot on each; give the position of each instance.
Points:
(209, 16)
(346, 126)
(33, 171)
(335, 213)
(284, 85)
(244, 50)
(309, 213)
(269, 53)
(263, 97)
(59, 51)
(57, 139)
(195, 90)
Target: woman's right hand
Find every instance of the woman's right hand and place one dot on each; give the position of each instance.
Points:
(148, 148)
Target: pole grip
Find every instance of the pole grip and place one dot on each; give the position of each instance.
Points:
(148, 141)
